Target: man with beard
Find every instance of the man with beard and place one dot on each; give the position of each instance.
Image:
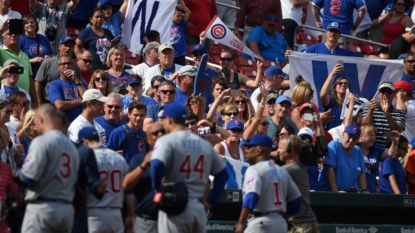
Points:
(277, 109)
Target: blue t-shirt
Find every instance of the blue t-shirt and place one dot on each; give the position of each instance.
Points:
(30, 47)
(270, 48)
(108, 126)
(371, 167)
(411, 81)
(343, 14)
(10, 90)
(388, 167)
(96, 45)
(153, 111)
(321, 48)
(143, 193)
(376, 7)
(181, 97)
(177, 39)
(211, 73)
(336, 111)
(136, 144)
(66, 91)
(114, 25)
(84, 9)
(126, 100)
(347, 168)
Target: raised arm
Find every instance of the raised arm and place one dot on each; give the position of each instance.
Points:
(212, 111)
(123, 9)
(252, 128)
(369, 115)
(253, 83)
(186, 10)
(324, 93)
(79, 48)
(349, 114)
(73, 4)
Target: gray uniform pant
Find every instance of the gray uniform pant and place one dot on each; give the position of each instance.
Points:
(270, 223)
(45, 217)
(105, 220)
(192, 219)
(142, 225)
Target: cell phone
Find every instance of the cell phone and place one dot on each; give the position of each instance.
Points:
(236, 93)
(16, 70)
(387, 134)
(16, 26)
(115, 41)
(308, 117)
(341, 62)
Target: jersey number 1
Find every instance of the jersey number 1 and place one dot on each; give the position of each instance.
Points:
(186, 166)
(277, 195)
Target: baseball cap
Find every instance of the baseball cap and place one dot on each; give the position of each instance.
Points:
(66, 39)
(93, 94)
(11, 61)
(235, 124)
(305, 132)
(187, 70)
(310, 106)
(271, 19)
(132, 80)
(274, 70)
(87, 132)
(199, 47)
(411, 29)
(272, 96)
(174, 110)
(165, 46)
(151, 45)
(352, 130)
(102, 2)
(283, 98)
(333, 25)
(258, 140)
(387, 85)
(404, 85)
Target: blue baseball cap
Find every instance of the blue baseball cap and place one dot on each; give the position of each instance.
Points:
(66, 39)
(258, 140)
(199, 47)
(133, 80)
(175, 111)
(271, 19)
(235, 124)
(283, 98)
(412, 142)
(352, 130)
(333, 25)
(87, 132)
(275, 70)
(102, 2)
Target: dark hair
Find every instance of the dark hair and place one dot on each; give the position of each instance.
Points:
(406, 4)
(168, 82)
(337, 100)
(96, 10)
(137, 105)
(228, 52)
(93, 138)
(159, 78)
(180, 9)
(85, 104)
(13, 96)
(179, 121)
(412, 54)
(220, 81)
(63, 119)
(402, 139)
(30, 16)
(151, 36)
(287, 127)
(191, 116)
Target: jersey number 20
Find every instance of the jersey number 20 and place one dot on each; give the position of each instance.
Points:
(115, 179)
(186, 166)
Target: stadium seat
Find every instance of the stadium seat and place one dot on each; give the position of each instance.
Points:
(216, 59)
(131, 58)
(245, 62)
(354, 48)
(268, 63)
(369, 49)
(307, 39)
(189, 50)
(249, 72)
(215, 51)
(74, 32)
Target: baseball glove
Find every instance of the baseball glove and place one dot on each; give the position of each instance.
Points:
(173, 199)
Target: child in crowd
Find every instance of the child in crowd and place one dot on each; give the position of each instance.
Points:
(177, 39)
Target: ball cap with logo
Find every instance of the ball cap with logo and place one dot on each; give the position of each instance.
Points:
(235, 124)
(199, 47)
(133, 80)
(175, 111)
(87, 132)
(258, 140)
(352, 130)
(187, 70)
(93, 94)
(271, 19)
(333, 25)
(66, 39)
(164, 47)
(305, 132)
(309, 106)
(387, 85)
(284, 98)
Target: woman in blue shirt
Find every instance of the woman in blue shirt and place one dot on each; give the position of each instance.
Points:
(116, 72)
(35, 46)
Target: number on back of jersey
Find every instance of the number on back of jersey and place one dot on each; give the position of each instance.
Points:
(198, 166)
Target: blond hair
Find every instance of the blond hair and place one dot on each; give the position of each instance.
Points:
(111, 52)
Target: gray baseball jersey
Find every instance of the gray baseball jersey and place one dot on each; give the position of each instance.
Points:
(273, 185)
(53, 162)
(113, 167)
(187, 157)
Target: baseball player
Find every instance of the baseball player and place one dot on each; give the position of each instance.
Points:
(105, 215)
(50, 171)
(269, 192)
(182, 156)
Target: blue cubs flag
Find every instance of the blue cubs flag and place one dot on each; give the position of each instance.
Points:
(219, 32)
(203, 82)
(365, 74)
(144, 15)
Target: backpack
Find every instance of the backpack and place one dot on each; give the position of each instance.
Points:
(128, 135)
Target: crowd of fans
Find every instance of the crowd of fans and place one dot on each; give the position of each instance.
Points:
(369, 150)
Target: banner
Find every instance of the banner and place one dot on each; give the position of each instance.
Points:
(144, 15)
(236, 170)
(365, 74)
(360, 104)
(219, 32)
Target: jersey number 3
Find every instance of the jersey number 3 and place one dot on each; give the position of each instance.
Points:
(186, 166)
(66, 166)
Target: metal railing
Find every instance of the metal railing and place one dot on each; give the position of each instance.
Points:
(210, 64)
(227, 5)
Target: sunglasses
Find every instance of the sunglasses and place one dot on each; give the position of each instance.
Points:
(410, 61)
(191, 122)
(231, 113)
(156, 133)
(86, 60)
(264, 123)
(386, 90)
(228, 59)
(239, 101)
(343, 83)
(236, 130)
(98, 79)
(113, 106)
(271, 101)
(171, 92)
(198, 54)
(156, 87)
(23, 103)
(400, 4)
(66, 64)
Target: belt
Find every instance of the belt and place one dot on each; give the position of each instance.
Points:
(258, 214)
(253, 24)
(147, 217)
(40, 199)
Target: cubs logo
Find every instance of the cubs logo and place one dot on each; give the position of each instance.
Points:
(354, 130)
(27, 161)
(250, 181)
(103, 138)
(141, 146)
(203, 85)
(218, 31)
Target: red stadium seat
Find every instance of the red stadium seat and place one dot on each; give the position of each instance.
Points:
(216, 59)
(74, 32)
(249, 72)
(268, 63)
(354, 48)
(215, 51)
(307, 39)
(245, 62)
(369, 49)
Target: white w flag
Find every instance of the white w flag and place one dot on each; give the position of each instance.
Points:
(360, 104)
(236, 170)
(144, 15)
(365, 75)
(219, 32)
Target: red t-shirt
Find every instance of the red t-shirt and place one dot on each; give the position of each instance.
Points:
(6, 182)
(410, 168)
(202, 11)
(86, 76)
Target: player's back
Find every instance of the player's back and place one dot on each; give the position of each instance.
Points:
(53, 161)
(189, 158)
(113, 167)
(273, 185)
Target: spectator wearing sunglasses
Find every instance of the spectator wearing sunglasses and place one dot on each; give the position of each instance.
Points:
(197, 52)
(335, 99)
(186, 80)
(156, 81)
(230, 147)
(280, 106)
(134, 94)
(10, 80)
(85, 64)
(383, 115)
(112, 114)
(167, 93)
(245, 108)
(229, 112)
(100, 80)
(409, 73)
(20, 105)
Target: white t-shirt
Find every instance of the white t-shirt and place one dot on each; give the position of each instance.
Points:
(81, 122)
(154, 71)
(409, 132)
(13, 122)
(254, 98)
(3, 18)
(336, 132)
(289, 11)
(141, 70)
